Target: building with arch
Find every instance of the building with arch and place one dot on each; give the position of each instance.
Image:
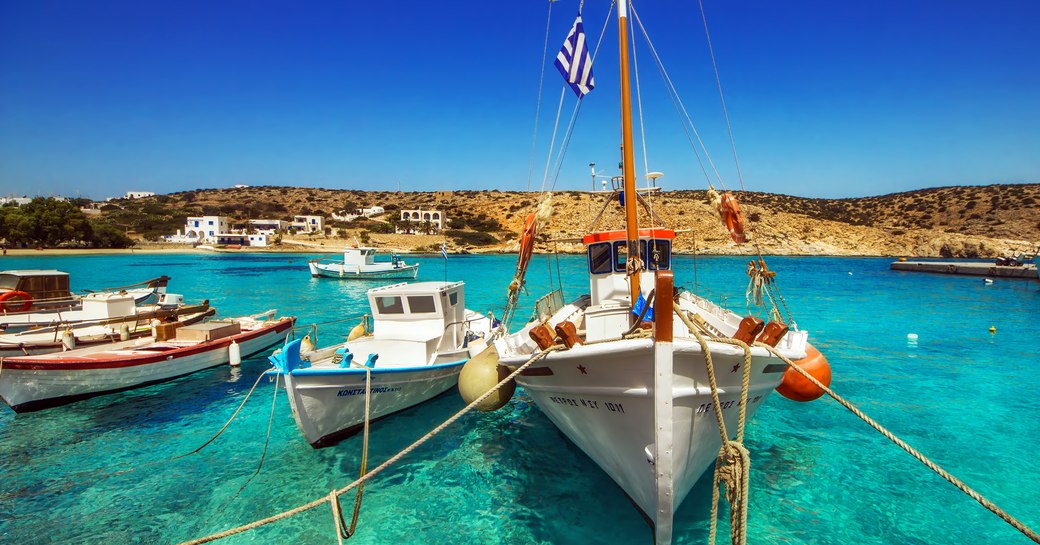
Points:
(412, 221)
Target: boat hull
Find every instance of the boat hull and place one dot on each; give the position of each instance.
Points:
(329, 404)
(339, 271)
(34, 383)
(602, 398)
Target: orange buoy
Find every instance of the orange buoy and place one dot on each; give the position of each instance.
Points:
(16, 301)
(796, 387)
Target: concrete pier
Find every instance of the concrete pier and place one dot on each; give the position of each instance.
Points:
(967, 268)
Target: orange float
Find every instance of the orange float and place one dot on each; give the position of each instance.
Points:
(11, 299)
(729, 211)
(796, 387)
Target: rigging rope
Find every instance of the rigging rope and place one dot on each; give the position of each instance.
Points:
(538, 107)
(722, 97)
(680, 107)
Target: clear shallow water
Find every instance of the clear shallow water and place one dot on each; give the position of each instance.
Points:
(965, 397)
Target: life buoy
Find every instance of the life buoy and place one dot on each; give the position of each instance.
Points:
(796, 387)
(15, 296)
(729, 211)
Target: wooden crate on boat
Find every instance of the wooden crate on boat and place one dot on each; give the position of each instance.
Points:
(165, 332)
(208, 331)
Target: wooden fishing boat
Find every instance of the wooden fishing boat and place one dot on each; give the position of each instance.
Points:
(70, 336)
(648, 380)
(30, 383)
(27, 290)
(359, 263)
(419, 343)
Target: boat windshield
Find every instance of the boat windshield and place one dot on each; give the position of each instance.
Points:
(605, 257)
(8, 281)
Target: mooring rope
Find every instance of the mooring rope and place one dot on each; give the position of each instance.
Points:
(379, 469)
(733, 464)
(992, 507)
(342, 531)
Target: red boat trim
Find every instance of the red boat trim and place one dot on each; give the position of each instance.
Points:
(48, 362)
(621, 235)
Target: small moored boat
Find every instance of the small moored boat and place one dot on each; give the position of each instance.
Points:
(70, 336)
(360, 263)
(421, 338)
(31, 383)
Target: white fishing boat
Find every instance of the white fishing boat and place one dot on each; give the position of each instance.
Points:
(29, 383)
(419, 342)
(360, 263)
(637, 373)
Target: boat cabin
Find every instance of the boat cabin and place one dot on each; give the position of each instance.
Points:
(364, 256)
(609, 311)
(423, 310)
(608, 257)
(47, 288)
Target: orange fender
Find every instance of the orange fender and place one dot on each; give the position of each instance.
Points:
(15, 296)
(798, 388)
(729, 211)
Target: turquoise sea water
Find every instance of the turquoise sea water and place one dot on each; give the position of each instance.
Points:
(965, 397)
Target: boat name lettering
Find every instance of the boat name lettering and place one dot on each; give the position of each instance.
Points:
(361, 391)
(587, 403)
(705, 407)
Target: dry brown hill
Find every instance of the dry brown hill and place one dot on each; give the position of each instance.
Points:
(961, 221)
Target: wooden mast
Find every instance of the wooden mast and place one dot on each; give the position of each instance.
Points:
(628, 156)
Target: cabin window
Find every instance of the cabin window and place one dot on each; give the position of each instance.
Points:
(421, 303)
(660, 255)
(599, 258)
(389, 305)
(453, 298)
(621, 253)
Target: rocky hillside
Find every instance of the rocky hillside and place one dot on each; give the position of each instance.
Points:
(963, 221)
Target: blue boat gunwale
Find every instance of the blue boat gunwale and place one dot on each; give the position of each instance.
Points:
(310, 371)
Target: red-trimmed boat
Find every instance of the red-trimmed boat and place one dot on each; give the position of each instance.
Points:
(31, 383)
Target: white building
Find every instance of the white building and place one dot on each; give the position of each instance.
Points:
(18, 201)
(359, 213)
(413, 220)
(269, 227)
(308, 224)
(206, 228)
(138, 194)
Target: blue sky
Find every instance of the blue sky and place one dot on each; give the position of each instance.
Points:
(827, 99)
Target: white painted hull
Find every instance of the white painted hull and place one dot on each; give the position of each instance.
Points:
(601, 397)
(36, 382)
(378, 271)
(330, 403)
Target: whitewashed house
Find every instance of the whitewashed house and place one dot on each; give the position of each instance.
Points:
(308, 224)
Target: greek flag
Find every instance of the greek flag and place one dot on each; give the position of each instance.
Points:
(444, 251)
(574, 61)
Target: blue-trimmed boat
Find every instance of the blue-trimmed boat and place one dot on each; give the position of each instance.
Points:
(360, 263)
(422, 335)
